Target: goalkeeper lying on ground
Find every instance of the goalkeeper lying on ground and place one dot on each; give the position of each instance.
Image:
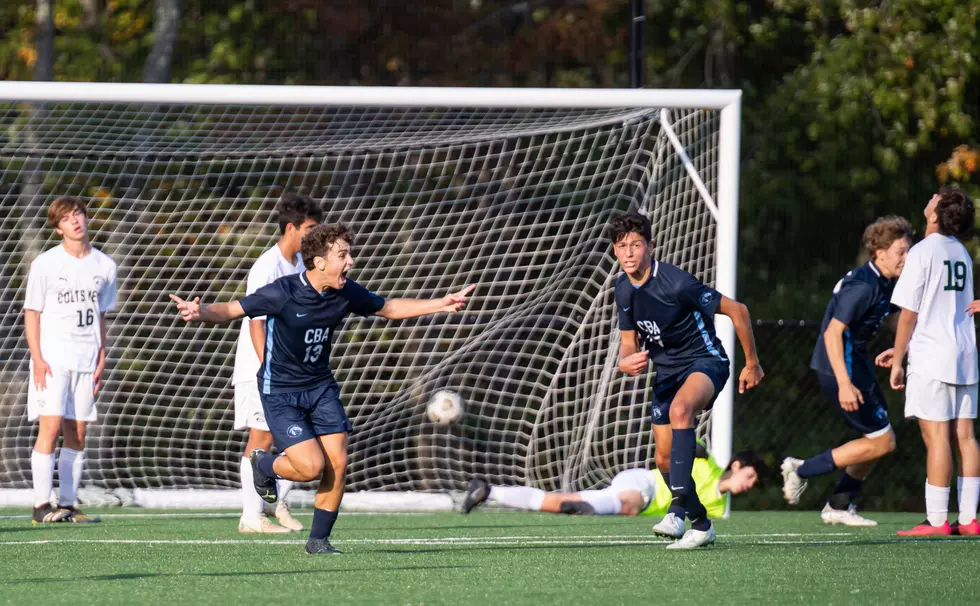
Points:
(632, 492)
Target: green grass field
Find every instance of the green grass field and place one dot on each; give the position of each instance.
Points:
(136, 556)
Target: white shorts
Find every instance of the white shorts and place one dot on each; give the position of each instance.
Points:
(640, 480)
(932, 400)
(248, 407)
(67, 394)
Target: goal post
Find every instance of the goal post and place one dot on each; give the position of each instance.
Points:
(508, 188)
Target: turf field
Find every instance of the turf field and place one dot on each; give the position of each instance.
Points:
(136, 556)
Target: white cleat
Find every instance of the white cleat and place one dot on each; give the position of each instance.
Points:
(793, 484)
(847, 517)
(286, 519)
(671, 527)
(262, 525)
(694, 539)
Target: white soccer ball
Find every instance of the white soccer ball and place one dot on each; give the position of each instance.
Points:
(445, 408)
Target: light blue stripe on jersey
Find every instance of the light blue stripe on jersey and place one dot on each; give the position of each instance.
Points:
(848, 350)
(267, 373)
(707, 337)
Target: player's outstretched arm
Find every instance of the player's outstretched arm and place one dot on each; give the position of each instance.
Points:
(906, 324)
(401, 309)
(752, 374)
(216, 313)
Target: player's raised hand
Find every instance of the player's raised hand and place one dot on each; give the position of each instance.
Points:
(634, 364)
(41, 370)
(850, 397)
(457, 300)
(897, 379)
(750, 376)
(884, 359)
(973, 308)
(190, 311)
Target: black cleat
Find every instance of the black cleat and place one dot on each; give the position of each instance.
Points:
(321, 546)
(476, 493)
(78, 517)
(576, 508)
(264, 485)
(49, 514)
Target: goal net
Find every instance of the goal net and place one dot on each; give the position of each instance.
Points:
(444, 188)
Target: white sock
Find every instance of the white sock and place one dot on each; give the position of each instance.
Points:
(251, 501)
(517, 497)
(283, 486)
(604, 502)
(42, 471)
(70, 464)
(968, 491)
(937, 504)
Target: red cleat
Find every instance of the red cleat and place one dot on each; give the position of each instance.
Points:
(969, 530)
(928, 530)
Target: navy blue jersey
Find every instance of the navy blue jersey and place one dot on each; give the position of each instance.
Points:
(299, 329)
(861, 301)
(673, 315)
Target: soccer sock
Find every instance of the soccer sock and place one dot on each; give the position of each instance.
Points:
(968, 492)
(42, 472)
(323, 520)
(937, 504)
(682, 450)
(604, 502)
(517, 497)
(265, 465)
(818, 465)
(675, 509)
(70, 464)
(251, 501)
(845, 491)
(283, 486)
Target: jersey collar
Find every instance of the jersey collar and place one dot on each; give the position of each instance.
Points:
(874, 268)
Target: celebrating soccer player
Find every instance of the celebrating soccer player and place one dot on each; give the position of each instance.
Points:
(300, 397)
(297, 216)
(935, 293)
(632, 492)
(69, 289)
(670, 312)
(857, 308)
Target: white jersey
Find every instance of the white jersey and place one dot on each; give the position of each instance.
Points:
(71, 294)
(268, 268)
(937, 284)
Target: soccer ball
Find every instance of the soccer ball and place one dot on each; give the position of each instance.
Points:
(445, 408)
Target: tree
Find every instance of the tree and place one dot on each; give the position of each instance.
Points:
(159, 63)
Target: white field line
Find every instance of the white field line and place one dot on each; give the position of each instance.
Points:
(231, 514)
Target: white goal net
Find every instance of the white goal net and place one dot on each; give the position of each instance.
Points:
(182, 192)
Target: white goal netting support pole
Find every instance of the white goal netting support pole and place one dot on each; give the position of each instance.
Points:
(509, 188)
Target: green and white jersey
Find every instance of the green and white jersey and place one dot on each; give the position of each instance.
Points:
(707, 475)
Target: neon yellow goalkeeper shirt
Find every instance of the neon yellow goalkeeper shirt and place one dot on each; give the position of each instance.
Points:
(707, 475)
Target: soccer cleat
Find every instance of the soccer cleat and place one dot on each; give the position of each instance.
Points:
(476, 493)
(671, 527)
(261, 524)
(49, 514)
(264, 485)
(793, 484)
(926, 529)
(321, 546)
(847, 517)
(78, 517)
(694, 539)
(286, 519)
(966, 530)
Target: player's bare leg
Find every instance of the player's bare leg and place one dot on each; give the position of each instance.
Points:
(329, 494)
(42, 468)
(939, 469)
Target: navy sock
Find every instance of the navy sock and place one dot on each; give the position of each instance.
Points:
(682, 450)
(845, 491)
(819, 465)
(677, 510)
(323, 520)
(265, 465)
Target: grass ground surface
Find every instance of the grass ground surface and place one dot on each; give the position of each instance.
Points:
(137, 556)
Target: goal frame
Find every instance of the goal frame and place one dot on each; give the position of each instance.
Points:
(724, 208)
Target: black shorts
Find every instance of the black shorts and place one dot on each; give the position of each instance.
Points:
(303, 415)
(871, 417)
(665, 390)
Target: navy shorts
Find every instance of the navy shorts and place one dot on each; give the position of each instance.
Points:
(303, 415)
(871, 417)
(665, 390)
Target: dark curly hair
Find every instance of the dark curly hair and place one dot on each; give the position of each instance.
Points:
(318, 241)
(295, 209)
(882, 233)
(629, 223)
(956, 213)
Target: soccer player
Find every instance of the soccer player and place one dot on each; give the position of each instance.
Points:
(300, 397)
(632, 492)
(939, 335)
(670, 312)
(297, 216)
(857, 308)
(70, 288)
